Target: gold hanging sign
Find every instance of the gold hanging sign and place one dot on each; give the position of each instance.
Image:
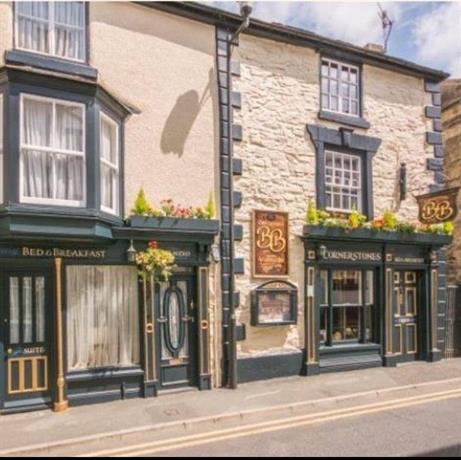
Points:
(270, 244)
(438, 207)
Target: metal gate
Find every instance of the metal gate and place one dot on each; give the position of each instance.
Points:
(453, 322)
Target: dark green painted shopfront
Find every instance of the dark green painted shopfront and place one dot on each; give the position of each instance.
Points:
(78, 324)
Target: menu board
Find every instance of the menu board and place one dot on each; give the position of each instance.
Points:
(270, 244)
(274, 303)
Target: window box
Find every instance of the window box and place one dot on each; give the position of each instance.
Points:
(318, 232)
(174, 224)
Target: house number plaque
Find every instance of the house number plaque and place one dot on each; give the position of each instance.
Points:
(439, 207)
(270, 244)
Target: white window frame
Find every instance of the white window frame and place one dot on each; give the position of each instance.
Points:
(52, 150)
(339, 83)
(114, 166)
(51, 33)
(329, 187)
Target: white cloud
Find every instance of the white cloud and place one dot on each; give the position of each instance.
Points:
(437, 37)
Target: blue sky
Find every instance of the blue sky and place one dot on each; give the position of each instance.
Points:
(425, 32)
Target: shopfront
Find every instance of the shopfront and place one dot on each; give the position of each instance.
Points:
(80, 326)
(371, 300)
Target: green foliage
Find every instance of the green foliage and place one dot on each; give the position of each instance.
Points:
(312, 217)
(155, 262)
(211, 207)
(406, 227)
(356, 219)
(390, 221)
(141, 205)
(447, 228)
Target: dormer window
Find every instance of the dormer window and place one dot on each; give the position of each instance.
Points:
(52, 166)
(52, 28)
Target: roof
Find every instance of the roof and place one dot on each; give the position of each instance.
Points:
(299, 37)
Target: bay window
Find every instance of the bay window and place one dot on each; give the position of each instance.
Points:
(52, 152)
(52, 28)
(102, 317)
(109, 165)
(347, 306)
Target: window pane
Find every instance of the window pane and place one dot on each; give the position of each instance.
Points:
(14, 310)
(324, 287)
(347, 287)
(369, 288)
(325, 101)
(37, 122)
(109, 185)
(27, 309)
(102, 317)
(333, 87)
(69, 128)
(334, 71)
(33, 26)
(324, 68)
(346, 323)
(109, 142)
(323, 325)
(334, 103)
(109, 165)
(37, 170)
(69, 178)
(353, 76)
(40, 308)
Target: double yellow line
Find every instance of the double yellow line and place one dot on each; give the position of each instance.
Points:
(183, 442)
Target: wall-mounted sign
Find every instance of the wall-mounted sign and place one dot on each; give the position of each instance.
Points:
(350, 256)
(439, 207)
(270, 244)
(63, 253)
(274, 303)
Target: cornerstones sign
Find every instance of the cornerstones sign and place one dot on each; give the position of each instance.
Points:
(439, 207)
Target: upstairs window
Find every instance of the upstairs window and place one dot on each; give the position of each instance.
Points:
(109, 165)
(52, 28)
(52, 167)
(343, 182)
(340, 88)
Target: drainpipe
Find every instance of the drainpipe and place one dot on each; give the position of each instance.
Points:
(231, 364)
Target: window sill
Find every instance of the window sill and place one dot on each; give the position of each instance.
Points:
(104, 373)
(52, 63)
(349, 120)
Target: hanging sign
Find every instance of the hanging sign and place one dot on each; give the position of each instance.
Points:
(438, 207)
(270, 244)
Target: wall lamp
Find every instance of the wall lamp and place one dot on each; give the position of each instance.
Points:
(131, 252)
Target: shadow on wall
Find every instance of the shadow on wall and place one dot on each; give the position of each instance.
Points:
(182, 118)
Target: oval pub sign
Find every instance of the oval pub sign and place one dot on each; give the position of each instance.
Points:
(439, 207)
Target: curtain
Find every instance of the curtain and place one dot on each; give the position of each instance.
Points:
(102, 317)
(69, 30)
(48, 174)
(33, 26)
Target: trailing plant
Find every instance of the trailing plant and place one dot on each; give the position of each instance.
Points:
(155, 262)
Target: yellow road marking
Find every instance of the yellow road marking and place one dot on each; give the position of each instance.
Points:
(273, 425)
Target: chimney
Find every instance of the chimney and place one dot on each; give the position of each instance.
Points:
(375, 48)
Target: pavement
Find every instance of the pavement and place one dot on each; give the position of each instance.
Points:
(115, 423)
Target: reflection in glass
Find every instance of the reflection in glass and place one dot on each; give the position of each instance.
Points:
(27, 309)
(14, 310)
(40, 308)
(347, 287)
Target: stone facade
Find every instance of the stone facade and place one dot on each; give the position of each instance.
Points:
(451, 116)
(279, 84)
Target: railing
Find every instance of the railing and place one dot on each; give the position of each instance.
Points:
(453, 322)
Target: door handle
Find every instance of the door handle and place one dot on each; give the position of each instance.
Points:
(162, 320)
(188, 319)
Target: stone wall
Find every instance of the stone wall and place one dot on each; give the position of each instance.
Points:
(279, 85)
(451, 117)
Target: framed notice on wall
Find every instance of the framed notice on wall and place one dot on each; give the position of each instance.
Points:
(270, 244)
(274, 303)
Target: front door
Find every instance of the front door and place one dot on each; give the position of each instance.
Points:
(406, 316)
(27, 309)
(176, 333)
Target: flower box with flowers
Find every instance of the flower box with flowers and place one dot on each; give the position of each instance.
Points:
(170, 216)
(387, 228)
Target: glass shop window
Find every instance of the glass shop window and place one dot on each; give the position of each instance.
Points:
(1, 148)
(102, 317)
(348, 315)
